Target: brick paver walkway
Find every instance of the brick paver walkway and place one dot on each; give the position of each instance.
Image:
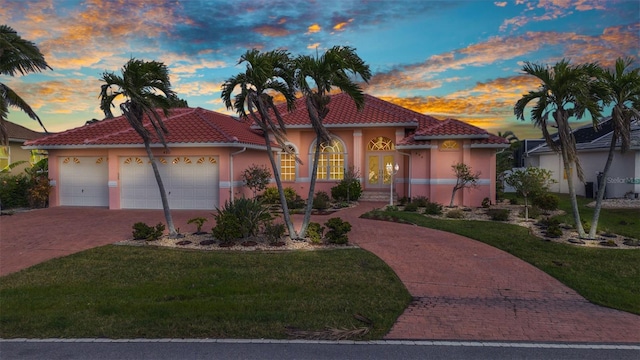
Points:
(462, 289)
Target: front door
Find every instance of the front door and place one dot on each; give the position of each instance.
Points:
(376, 167)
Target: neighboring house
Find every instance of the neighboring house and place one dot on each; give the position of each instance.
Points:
(104, 163)
(592, 143)
(13, 152)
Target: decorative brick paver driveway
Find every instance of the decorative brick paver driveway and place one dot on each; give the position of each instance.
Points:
(462, 289)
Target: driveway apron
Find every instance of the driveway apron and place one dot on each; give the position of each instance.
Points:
(462, 289)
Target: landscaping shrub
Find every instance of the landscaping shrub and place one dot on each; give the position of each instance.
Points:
(270, 196)
(498, 214)
(411, 207)
(455, 214)
(403, 201)
(256, 178)
(228, 227)
(338, 230)
(549, 222)
(546, 201)
(315, 232)
(274, 232)
(420, 201)
(321, 201)
(14, 191)
(142, 231)
(391, 208)
(240, 218)
(432, 208)
(294, 201)
(486, 202)
(554, 231)
(348, 189)
(199, 221)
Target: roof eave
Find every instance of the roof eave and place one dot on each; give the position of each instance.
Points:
(438, 137)
(170, 145)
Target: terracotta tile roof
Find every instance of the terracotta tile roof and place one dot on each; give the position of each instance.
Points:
(185, 126)
(19, 133)
(343, 113)
(450, 128)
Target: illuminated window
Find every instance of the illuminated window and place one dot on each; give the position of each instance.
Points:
(449, 145)
(4, 157)
(380, 143)
(331, 163)
(288, 164)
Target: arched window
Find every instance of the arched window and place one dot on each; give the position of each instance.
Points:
(331, 164)
(288, 164)
(381, 143)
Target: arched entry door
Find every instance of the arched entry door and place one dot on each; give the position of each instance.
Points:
(380, 151)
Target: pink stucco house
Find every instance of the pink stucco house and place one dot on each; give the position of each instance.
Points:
(105, 164)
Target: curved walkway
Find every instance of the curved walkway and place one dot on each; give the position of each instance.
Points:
(462, 289)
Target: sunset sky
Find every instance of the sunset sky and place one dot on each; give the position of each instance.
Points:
(448, 59)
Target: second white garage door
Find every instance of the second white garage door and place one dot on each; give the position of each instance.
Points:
(191, 182)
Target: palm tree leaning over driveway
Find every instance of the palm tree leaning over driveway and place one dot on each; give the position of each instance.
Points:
(315, 77)
(622, 89)
(566, 91)
(17, 56)
(145, 86)
(267, 74)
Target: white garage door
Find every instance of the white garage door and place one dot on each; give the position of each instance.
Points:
(191, 182)
(84, 181)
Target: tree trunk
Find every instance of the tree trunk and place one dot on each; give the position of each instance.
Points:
(601, 188)
(163, 193)
(283, 200)
(453, 195)
(312, 187)
(563, 128)
(526, 208)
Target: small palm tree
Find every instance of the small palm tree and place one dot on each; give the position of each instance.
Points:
(565, 91)
(315, 77)
(17, 56)
(622, 91)
(145, 86)
(267, 74)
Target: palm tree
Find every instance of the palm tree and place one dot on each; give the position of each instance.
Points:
(566, 91)
(145, 86)
(315, 77)
(17, 56)
(267, 74)
(622, 87)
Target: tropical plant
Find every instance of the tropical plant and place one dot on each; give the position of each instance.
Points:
(528, 182)
(146, 88)
(266, 75)
(349, 188)
(199, 221)
(565, 91)
(464, 179)
(339, 67)
(622, 91)
(17, 56)
(142, 231)
(256, 178)
(251, 216)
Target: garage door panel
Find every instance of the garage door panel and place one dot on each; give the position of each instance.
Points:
(189, 184)
(84, 181)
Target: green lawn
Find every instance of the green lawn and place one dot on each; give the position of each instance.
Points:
(609, 277)
(131, 292)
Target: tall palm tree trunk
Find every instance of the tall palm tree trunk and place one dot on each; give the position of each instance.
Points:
(601, 188)
(312, 188)
(163, 192)
(283, 201)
